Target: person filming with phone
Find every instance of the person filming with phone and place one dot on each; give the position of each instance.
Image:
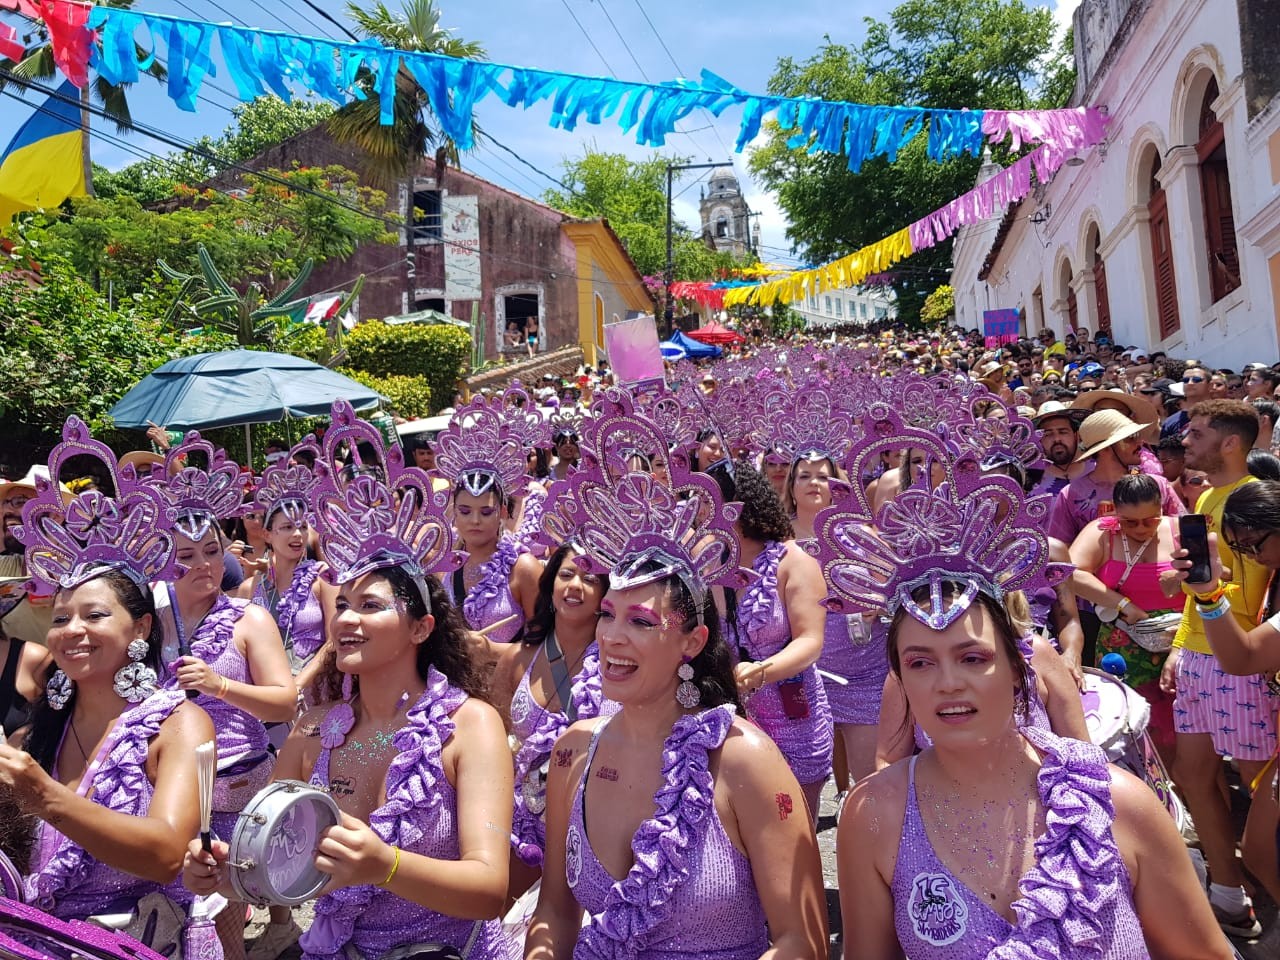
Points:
(1217, 714)
(1250, 528)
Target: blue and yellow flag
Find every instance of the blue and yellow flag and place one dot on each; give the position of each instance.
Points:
(42, 165)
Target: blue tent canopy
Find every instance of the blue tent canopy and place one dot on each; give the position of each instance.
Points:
(692, 348)
(234, 387)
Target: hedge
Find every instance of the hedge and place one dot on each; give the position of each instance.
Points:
(410, 397)
(437, 353)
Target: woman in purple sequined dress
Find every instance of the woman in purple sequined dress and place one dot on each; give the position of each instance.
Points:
(1003, 840)
(678, 829)
(774, 629)
(497, 586)
(560, 639)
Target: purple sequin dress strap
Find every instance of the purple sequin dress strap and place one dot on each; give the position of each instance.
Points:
(489, 600)
(684, 811)
(120, 784)
(529, 825)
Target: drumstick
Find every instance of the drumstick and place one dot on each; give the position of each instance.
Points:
(184, 645)
(206, 761)
(501, 623)
(833, 678)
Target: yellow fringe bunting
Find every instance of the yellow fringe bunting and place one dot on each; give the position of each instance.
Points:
(840, 274)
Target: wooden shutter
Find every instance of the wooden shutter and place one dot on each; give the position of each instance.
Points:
(1100, 289)
(1073, 310)
(1215, 191)
(1162, 263)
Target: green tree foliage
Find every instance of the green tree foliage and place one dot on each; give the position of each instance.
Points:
(264, 237)
(939, 305)
(258, 125)
(437, 353)
(935, 53)
(396, 148)
(410, 397)
(632, 196)
(65, 350)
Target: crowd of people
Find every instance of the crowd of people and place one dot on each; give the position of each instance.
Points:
(576, 675)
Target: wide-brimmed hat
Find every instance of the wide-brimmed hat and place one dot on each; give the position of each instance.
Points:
(1056, 408)
(37, 472)
(1140, 410)
(142, 461)
(1100, 430)
(987, 368)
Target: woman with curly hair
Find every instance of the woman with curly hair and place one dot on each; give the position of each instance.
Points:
(775, 629)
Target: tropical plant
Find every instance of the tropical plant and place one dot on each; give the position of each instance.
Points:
(395, 149)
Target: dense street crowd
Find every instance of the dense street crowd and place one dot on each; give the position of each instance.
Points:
(568, 676)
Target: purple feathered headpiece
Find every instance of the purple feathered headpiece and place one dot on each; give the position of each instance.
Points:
(69, 543)
(375, 515)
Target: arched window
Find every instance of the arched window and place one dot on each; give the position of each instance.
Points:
(722, 227)
(1166, 285)
(1215, 189)
(1099, 268)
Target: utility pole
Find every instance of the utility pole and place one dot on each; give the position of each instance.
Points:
(669, 314)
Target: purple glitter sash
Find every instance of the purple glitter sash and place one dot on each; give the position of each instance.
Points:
(528, 824)
(683, 812)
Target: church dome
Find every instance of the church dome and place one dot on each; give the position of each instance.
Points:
(724, 181)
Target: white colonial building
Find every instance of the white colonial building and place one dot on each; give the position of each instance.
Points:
(856, 305)
(1168, 233)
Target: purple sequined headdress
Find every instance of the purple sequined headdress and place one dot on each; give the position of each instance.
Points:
(382, 514)
(200, 484)
(804, 423)
(480, 450)
(977, 530)
(625, 521)
(70, 543)
(286, 486)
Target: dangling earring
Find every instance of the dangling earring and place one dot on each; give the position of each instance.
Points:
(58, 690)
(135, 681)
(687, 694)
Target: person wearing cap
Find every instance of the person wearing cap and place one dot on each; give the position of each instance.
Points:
(1057, 424)
(23, 615)
(1195, 387)
(1217, 714)
(1113, 443)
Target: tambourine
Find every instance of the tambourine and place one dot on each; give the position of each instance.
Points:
(273, 847)
(10, 880)
(30, 934)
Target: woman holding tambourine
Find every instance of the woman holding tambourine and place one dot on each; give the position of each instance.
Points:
(417, 764)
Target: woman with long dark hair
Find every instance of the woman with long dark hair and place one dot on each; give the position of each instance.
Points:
(416, 761)
(107, 764)
(675, 826)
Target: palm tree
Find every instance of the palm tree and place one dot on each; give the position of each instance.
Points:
(395, 149)
(38, 66)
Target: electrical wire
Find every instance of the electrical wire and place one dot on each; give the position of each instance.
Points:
(177, 143)
(603, 60)
(626, 46)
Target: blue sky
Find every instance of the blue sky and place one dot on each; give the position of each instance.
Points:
(741, 42)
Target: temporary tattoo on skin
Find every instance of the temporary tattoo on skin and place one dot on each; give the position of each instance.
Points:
(607, 773)
(564, 757)
(342, 786)
(785, 805)
(490, 825)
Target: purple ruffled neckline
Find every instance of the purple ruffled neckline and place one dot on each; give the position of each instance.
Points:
(214, 632)
(756, 602)
(414, 791)
(495, 576)
(291, 603)
(529, 826)
(662, 845)
(118, 784)
(1067, 901)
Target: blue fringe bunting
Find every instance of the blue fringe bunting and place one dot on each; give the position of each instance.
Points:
(261, 61)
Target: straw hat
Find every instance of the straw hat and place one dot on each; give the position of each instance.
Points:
(38, 472)
(1139, 409)
(142, 461)
(1056, 408)
(1100, 430)
(987, 368)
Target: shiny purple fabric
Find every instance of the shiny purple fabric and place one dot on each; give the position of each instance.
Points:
(420, 816)
(68, 881)
(855, 650)
(299, 613)
(490, 600)
(537, 729)
(763, 630)
(689, 893)
(1075, 902)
